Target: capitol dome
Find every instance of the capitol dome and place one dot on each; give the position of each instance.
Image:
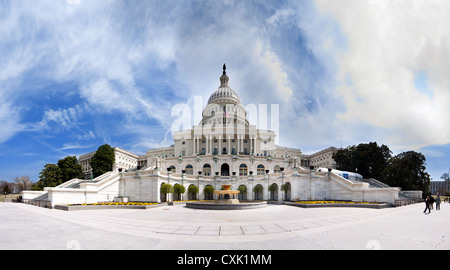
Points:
(224, 94)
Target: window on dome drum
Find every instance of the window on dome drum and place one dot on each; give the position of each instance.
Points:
(224, 151)
(260, 169)
(189, 170)
(243, 170)
(207, 170)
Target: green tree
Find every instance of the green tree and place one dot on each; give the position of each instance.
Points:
(6, 190)
(242, 189)
(193, 189)
(272, 189)
(48, 177)
(258, 189)
(370, 159)
(69, 169)
(407, 170)
(209, 191)
(166, 189)
(103, 160)
(179, 189)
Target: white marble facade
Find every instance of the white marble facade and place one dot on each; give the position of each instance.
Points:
(224, 148)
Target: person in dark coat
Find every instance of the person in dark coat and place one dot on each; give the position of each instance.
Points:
(427, 204)
(438, 203)
(431, 202)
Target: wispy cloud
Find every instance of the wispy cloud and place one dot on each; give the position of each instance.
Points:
(338, 69)
(68, 146)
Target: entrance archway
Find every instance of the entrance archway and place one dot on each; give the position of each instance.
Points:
(162, 196)
(287, 191)
(258, 189)
(242, 196)
(273, 192)
(225, 170)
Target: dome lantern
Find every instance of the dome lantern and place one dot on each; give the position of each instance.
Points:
(224, 94)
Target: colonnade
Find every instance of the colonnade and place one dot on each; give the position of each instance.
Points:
(240, 145)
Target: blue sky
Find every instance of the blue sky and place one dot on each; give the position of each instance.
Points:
(76, 76)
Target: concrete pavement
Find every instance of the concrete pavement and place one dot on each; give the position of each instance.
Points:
(177, 227)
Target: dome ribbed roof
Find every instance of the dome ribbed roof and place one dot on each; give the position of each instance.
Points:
(224, 94)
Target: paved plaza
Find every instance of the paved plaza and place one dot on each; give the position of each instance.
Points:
(177, 227)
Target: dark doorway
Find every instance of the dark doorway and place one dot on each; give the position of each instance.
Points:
(225, 170)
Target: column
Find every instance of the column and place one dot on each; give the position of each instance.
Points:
(210, 144)
(198, 144)
(193, 146)
(207, 145)
(219, 150)
(229, 144)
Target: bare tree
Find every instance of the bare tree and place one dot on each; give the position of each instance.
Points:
(23, 183)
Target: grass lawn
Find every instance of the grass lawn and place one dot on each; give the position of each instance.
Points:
(9, 196)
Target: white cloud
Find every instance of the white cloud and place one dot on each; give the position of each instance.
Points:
(65, 118)
(9, 121)
(283, 53)
(68, 146)
(388, 43)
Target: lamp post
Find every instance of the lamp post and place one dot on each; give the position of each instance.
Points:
(311, 171)
(252, 184)
(183, 175)
(268, 193)
(282, 182)
(168, 175)
(198, 184)
(216, 178)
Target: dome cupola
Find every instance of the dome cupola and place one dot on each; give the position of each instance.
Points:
(224, 94)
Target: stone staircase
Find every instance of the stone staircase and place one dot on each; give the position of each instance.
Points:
(96, 185)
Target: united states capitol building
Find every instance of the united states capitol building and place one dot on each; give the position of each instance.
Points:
(224, 148)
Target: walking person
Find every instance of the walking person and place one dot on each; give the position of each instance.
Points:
(438, 203)
(427, 205)
(431, 202)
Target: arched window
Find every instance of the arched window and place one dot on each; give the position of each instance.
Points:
(206, 169)
(260, 169)
(243, 170)
(173, 169)
(189, 170)
(276, 169)
(225, 170)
